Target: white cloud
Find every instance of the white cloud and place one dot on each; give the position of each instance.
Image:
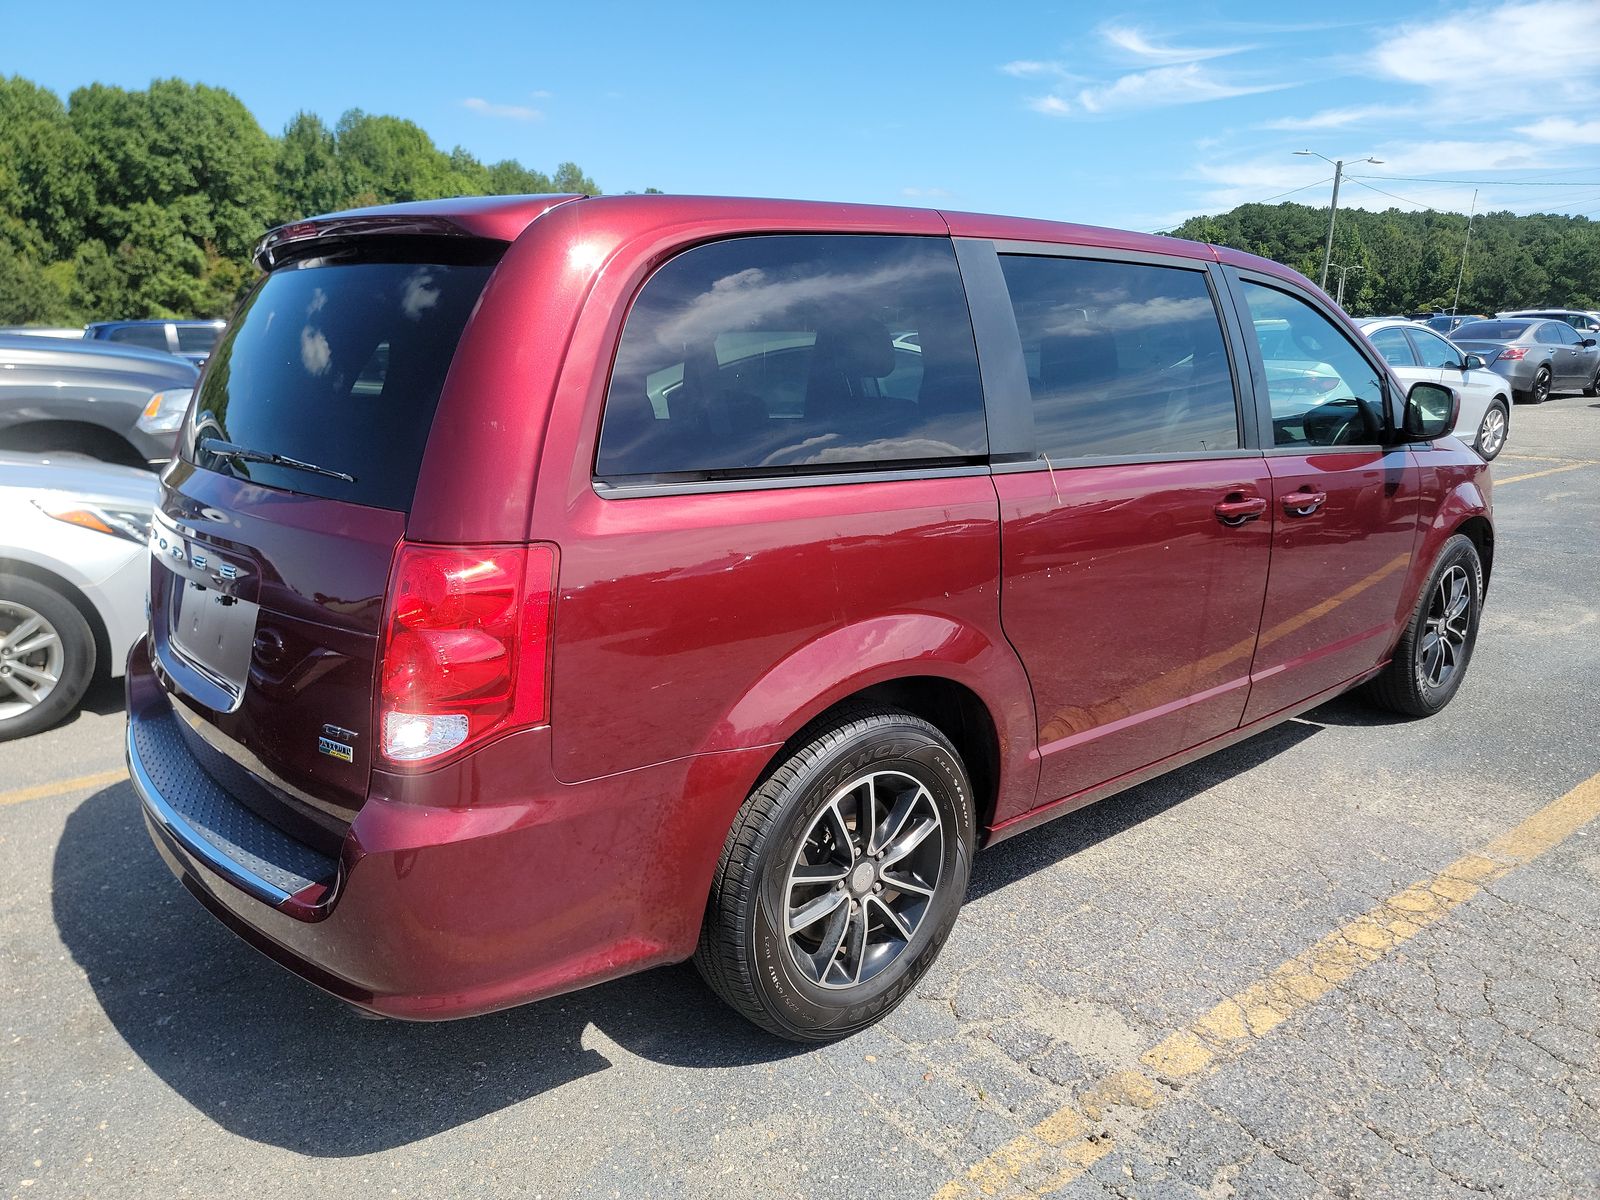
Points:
(1564, 130)
(514, 112)
(1027, 68)
(1051, 105)
(1162, 87)
(1339, 118)
(1138, 44)
(1482, 49)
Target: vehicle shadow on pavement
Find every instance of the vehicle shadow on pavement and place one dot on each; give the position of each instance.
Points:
(1036, 849)
(270, 1058)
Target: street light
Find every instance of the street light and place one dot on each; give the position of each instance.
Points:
(1333, 209)
(1344, 270)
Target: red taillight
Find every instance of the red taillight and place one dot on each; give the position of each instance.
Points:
(464, 649)
(1512, 353)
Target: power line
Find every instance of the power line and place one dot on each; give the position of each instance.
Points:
(1479, 182)
(1269, 199)
(1391, 195)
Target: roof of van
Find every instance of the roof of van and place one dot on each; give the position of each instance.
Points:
(505, 218)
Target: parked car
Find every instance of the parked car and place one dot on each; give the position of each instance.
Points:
(1586, 323)
(478, 672)
(1415, 353)
(1448, 323)
(193, 340)
(73, 574)
(79, 397)
(73, 333)
(1537, 357)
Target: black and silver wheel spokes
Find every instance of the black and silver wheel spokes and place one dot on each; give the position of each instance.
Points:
(1444, 636)
(863, 878)
(31, 659)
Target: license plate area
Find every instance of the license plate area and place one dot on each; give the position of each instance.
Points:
(214, 633)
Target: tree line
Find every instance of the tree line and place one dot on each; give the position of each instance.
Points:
(122, 204)
(1410, 261)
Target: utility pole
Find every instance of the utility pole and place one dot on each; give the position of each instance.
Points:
(1465, 246)
(1333, 208)
(1343, 271)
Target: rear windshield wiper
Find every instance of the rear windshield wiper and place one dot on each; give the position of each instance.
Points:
(224, 449)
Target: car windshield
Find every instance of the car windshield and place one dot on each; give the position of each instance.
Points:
(1492, 331)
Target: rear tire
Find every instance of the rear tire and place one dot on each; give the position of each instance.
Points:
(1492, 430)
(1593, 388)
(1540, 391)
(47, 656)
(806, 933)
(1434, 652)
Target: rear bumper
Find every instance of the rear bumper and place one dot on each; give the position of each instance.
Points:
(481, 885)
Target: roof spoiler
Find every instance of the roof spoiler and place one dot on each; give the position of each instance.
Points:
(300, 238)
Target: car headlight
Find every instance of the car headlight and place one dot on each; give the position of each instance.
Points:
(130, 523)
(165, 411)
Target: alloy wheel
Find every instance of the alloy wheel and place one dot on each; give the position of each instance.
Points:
(1443, 647)
(31, 659)
(1541, 386)
(863, 878)
(1493, 434)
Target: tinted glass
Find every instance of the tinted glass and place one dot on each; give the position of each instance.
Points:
(1122, 358)
(771, 355)
(1549, 334)
(340, 366)
(153, 337)
(197, 339)
(1435, 351)
(1323, 390)
(1491, 331)
(1394, 347)
(1566, 335)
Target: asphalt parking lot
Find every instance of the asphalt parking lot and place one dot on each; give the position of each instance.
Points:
(1350, 957)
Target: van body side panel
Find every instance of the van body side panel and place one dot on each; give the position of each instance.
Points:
(673, 610)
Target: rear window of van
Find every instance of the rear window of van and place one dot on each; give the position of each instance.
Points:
(339, 365)
(776, 355)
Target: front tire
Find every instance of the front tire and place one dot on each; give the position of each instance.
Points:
(47, 656)
(841, 877)
(1593, 386)
(1492, 430)
(1432, 658)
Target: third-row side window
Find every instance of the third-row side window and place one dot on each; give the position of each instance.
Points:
(767, 355)
(1122, 358)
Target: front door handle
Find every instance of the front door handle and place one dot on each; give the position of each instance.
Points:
(1238, 509)
(1303, 503)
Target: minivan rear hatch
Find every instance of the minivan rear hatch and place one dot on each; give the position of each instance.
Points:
(279, 522)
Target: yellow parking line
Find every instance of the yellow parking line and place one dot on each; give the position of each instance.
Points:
(1072, 1139)
(62, 786)
(1539, 474)
(1546, 458)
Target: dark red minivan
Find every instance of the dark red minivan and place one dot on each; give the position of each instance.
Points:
(548, 588)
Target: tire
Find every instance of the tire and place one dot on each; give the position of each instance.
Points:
(1492, 430)
(801, 820)
(1540, 391)
(1593, 387)
(57, 643)
(1414, 683)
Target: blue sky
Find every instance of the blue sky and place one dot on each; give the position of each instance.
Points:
(1133, 116)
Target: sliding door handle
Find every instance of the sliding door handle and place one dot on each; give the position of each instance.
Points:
(1303, 503)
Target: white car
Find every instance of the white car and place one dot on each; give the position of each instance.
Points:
(74, 569)
(1419, 355)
